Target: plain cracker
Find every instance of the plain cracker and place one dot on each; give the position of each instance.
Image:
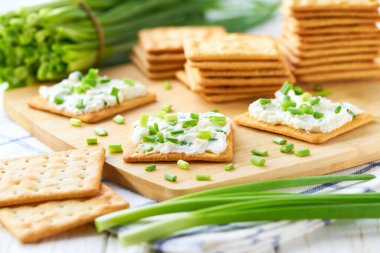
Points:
(246, 120)
(349, 29)
(329, 22)
(59, 175)
(340, 75)
(345, 66)
(165, 74)
(243, 66)
(42, 104)
(35, 222)
(339, 5)
(159, 58)
(155, 67)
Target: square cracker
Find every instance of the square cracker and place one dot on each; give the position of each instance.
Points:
(232, 47)
(344, 66)
(32, 223)
(316, 138)
(68, 174)
(338, 5)
(159, 58)
(239, 73)
(236, 65)
(170, 39)
(156, 67)
(340, 75)
(156, 75)
(42, 104)
(132, 155)
(330, 22)
(286, 11)
(333, 30)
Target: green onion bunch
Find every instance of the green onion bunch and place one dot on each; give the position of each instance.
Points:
(48, 41)
(248, 202)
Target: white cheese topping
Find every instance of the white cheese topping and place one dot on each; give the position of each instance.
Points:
(188, 141)
(95, 98)
(273, 113)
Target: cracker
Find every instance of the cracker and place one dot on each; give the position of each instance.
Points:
(243, 66)
(232, 47)
(170, 39)
(316, 39)
(338, 5)
(297, 61)
(42, 104)
(59, 175)
(329, 14)
(159, 58)
(345, 66)
(329, 52)
(239, 73)
(349, 29)
(226, 81)
(246, 120)
(155, 67)
(330, 22)
(296, 42)
(132, 155)
(164, 74)
(219, 98)
(339, 75)
(33, 223)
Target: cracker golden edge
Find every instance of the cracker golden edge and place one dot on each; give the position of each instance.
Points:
(132, 155)
(315, 138)
(33, 236)
(42, 104)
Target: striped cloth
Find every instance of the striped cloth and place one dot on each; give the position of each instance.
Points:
(231, 238)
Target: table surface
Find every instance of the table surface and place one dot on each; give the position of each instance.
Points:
(341, 236)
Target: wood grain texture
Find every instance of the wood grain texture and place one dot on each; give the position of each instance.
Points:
(362, 144)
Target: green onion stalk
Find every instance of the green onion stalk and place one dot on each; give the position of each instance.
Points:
(48, 41)
(247, 202)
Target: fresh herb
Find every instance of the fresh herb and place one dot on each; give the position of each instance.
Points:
(258, 161)
(302, 153)
(167, 85)
(100, 132)
(151, 167)
(173, 117)
(286, 87)
(279, 141)
(194, 116)
(351, 113)
(218, 120)
(149, 138)
(58, 100)
(306, 96)
(298, 90)
(338, 109)
(144, 119)
(92, 141)
(205, 135)
(318, 115)
(118, 119)
(170, 177)
(306, 109)
(315, 101)
(115, 148)
(75, 122)
(177, 132)
(130, 82)
(265, 101)
(79, 105)
(115, 93)
(259, 152)
(166, 108)
(214, 110)
(286, 104)
(189, 123)
(287, 148)
(294, 111)
(229, 167)
(172, 140)
(183, 164)
(203, 177)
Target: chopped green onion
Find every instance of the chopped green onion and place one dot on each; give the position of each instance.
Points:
(149, 138)
(155, 125)
(315, 101)
(302, 153)
(79, 105)
(203, 177)
(161, 115)
(100, 132)
(318, 115)
(172, 140)
(151, 167)
(306, 109)
(115, 93)
(265, 101)
(173, 117)
(115, 148)
(287, 98)
(152, 130)
(105, 79)
(323, 93)
(144, 119)
(183, 164)
(58, 100)
(214, 110)
(194, 116)
(118, 119)
(167, 85)
(160, 137)
(286, 104)
(258, 161)
(189, 123)
(176, 132)
(259, 152)
(351, 113)
(287, 148)
(205, 135)
(298, 90)
(218, 120)
(306, 96)
(166, 108)
(279, 141)
(229, 167)
(92, 141)
(338, 109)
(75, 122)
(286, 87)
(148, 149)
(170, 177)
(130, 82)
(294, 111)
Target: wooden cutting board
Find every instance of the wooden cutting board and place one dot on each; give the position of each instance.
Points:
(351, 149)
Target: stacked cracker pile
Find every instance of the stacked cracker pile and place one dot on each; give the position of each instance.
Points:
(43, 195)
(331, 40)
(159, 52)
(233, 67)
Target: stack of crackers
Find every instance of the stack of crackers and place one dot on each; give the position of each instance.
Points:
(159, 52)
(331, 40)
(43, 195)
(233, 67)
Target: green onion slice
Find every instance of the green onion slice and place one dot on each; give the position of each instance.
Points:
(286, 87)
(172, 140)
(75, 122)
(338, 109)
(144, 119)
(189, 123)
(166, 108)
(176, 132)
(167, 85)
(205, 135)
(258, 161)
(173, 117)
(259, 152)
(265, 101)
(218, 120)
(151, 167)
(302, 153)
(315, 101)
(79, 105)
(58, 100)
(100, 132)
(194, 116)
(298, 90)
(306, 96)
(287, 148)
(115, 93)
(115, 148)
(351, 113)
(203, 177)
(170, 177)
(130, 82)
(279, 141)
(92, 141)
(318, 115)
(229, 167)
(118, 119)
(149, 138)
(183, 164)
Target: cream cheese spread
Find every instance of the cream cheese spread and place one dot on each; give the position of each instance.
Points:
(83, 94)
(302, 111)
(182, 132)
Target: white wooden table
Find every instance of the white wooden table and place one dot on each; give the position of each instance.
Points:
(342, 236)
